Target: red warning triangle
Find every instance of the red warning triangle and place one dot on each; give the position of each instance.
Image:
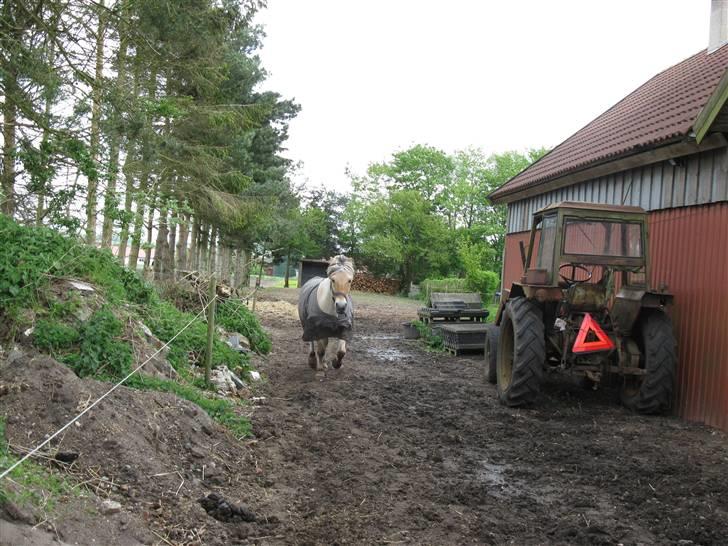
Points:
(581, 345)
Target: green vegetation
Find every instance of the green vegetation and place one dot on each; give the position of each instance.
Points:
(433, 341)
(451, 284)
(234, 316)
(101, 353)
(93, 333)
(35, 485)
(219, 409)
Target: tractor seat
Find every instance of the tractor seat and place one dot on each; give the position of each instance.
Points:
(587, 296)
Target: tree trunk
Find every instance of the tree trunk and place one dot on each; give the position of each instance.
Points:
(160, 247)
(171, 248)
(93, 181)
(226, 259)
(212, 249)
(128, 201)
(237, 269)
(288, 272)
(127, 170)
(182, 243)
(110, 202)
(194, 239)
(40, 205)
(202, 248)
(7, 196)
(150, 230)
(141, 195)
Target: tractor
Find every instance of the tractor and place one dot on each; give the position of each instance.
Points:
(584, 305)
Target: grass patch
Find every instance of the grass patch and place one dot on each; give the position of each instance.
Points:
(219, 409)
(30, 484)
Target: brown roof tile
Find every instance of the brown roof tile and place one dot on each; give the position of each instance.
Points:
(663, 109)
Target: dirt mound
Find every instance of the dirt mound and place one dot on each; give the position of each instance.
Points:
(152, 452)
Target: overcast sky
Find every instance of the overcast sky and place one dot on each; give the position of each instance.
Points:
(377, 76)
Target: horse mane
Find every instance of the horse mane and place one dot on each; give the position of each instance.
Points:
(339, 263)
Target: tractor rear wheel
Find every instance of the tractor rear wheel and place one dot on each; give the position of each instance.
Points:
(491, 352)
(521, 353)
(652, 392)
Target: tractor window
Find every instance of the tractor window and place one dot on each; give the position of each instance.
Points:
(546, 243)
(603, 238)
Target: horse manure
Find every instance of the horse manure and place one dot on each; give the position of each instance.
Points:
(216, 506)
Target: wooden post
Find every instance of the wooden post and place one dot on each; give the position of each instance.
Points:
(210, 328)
(257, 282)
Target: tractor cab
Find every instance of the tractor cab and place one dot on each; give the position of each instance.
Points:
(575, 243)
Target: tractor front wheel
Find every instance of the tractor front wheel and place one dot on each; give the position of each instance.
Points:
(491, 352)
(652, 392)
(521, 353)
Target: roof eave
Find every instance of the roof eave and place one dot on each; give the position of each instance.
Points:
(710, 111)
(671, 149)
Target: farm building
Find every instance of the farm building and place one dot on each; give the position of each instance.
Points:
(663, 148)
(308, 269)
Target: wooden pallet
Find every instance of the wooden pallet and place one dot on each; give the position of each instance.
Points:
(453, 307)
(460, 337)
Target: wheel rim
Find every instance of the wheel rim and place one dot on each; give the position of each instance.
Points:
(505, 357)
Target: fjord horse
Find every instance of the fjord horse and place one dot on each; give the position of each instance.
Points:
(325, 310)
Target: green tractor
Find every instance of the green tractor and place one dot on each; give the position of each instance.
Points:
(584, 305)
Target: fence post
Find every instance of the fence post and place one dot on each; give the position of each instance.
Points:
(210, 328)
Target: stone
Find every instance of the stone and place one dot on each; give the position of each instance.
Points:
(109, 507)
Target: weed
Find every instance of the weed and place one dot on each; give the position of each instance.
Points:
(432, 340)
(51, 335)
(101, 353)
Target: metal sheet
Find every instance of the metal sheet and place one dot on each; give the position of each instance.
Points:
(697, 179)
(688, 253)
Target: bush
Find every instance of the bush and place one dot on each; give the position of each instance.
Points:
(484, 282)
(452, 284)
(101, 353)
(51, 335)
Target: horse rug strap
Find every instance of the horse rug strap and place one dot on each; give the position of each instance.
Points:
(316, 323)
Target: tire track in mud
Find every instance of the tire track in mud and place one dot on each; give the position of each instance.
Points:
(406, 446)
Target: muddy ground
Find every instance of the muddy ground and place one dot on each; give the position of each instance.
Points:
(399, 446)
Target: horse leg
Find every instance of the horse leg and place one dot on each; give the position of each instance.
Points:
(321, 352)
(312, 362)
(340, 354)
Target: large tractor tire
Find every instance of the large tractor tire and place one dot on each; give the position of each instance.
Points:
(491, 352)
(521, 353)
(652, 392)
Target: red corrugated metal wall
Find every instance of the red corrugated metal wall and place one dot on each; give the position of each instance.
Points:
(689, 253)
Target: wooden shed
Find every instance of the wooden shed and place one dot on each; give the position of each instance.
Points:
(664, 148)
(308, 268)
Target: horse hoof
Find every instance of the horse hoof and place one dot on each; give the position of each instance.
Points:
(312, 363)
(336, 363)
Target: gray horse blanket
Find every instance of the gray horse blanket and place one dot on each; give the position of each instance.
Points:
(318, 324)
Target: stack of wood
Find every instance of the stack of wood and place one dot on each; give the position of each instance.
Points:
(200, 283)
(366, 282)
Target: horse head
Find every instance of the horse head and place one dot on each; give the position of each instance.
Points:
(341, 275)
